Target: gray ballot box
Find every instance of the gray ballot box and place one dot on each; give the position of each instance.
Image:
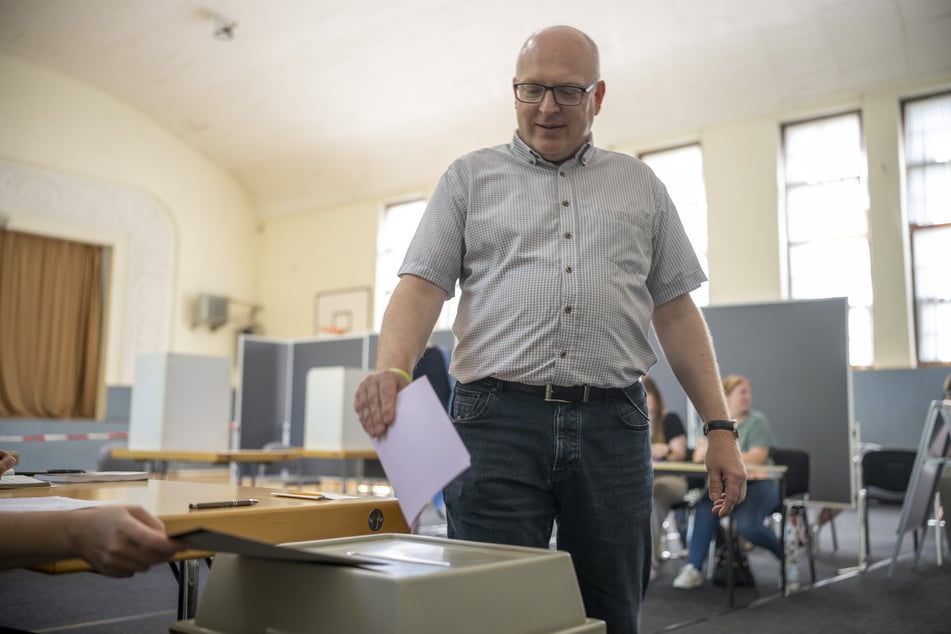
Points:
(421, 585)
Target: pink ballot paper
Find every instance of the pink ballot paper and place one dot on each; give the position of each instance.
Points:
(421, 451)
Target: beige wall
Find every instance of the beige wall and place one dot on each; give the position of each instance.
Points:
(309, 253)
(77, 136)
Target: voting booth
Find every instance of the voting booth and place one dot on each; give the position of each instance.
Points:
(330, 422)
(413, 585)
(180, 401)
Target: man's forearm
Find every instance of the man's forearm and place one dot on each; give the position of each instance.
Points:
(683, 334)
(408, 323)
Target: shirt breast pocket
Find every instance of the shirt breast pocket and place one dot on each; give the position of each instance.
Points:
(624, 237)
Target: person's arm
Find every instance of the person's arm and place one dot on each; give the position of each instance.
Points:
(677, 448)
(756, 455)
(115, 540)
(6, 461)
(407, 325)
(683, 334)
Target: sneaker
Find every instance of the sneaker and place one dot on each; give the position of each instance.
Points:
(688, 578)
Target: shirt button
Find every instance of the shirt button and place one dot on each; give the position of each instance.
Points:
(567, 269)
(567, 235)
(567, 310)
(564, 203)
(562, 354)
(562, 174)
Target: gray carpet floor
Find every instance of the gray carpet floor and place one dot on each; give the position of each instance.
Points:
(913, 600)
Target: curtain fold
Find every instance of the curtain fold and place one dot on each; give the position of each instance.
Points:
(50, 326)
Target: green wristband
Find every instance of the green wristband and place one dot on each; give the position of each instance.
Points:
(403, 373)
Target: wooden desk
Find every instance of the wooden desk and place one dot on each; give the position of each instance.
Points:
(759, 471)
(272, 519)
(158, 460)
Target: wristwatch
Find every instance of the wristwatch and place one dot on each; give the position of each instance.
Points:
(726, 425)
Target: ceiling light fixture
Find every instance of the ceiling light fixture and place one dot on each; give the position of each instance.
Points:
(224, 28)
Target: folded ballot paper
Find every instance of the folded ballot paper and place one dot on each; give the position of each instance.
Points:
(421, 451)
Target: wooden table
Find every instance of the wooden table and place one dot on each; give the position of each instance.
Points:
(272, 519)
(344, 456)
(758, 471)
(158, 460)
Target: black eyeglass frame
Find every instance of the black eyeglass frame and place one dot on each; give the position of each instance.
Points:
(584, 91)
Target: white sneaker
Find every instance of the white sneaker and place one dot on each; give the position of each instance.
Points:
(688, 578)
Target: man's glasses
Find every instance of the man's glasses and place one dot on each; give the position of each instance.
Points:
(564, 95)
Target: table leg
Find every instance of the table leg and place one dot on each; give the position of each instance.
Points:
(187, 588)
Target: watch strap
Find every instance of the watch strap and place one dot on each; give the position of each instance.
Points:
(725, 425)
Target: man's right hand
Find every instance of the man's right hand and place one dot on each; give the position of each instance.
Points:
(375, 401)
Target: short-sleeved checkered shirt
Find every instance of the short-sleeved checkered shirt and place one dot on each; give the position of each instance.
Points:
(560, 266)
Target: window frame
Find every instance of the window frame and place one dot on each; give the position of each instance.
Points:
(914, 228)
(789, 245)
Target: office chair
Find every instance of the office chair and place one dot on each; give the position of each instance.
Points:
(885, 477)
(794, 504)
(683, 512)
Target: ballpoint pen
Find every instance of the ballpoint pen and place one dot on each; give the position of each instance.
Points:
(222, 505)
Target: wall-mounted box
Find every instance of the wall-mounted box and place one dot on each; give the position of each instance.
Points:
(180, 402)
(330, 424)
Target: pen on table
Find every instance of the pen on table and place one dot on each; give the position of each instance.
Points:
(222, 505)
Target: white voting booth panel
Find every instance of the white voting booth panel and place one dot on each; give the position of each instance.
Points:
(180, 402)
(330, 423)
(424, 585)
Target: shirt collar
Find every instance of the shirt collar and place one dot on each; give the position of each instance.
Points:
(524, 152)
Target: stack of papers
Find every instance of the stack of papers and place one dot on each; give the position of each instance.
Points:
(13, 481)
(93, 476)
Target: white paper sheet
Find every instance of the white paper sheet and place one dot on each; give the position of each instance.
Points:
(421, 451)
(48, 503)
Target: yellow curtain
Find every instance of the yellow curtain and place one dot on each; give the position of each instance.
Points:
(50, 326)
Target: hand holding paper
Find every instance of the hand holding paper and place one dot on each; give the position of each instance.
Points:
(421, 451)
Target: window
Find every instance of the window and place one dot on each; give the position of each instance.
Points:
(681, 170)
(827, 221)
(395, 233)
(927, 128)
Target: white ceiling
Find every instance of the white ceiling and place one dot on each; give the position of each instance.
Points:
(317, 103)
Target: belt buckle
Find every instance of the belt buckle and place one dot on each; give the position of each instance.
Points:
(550, 399)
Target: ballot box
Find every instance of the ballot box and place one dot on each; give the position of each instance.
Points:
(330, 422)
(405, 584)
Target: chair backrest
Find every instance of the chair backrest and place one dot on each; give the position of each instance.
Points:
(888, 469)
(796, 462)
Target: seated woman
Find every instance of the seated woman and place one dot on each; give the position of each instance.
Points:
(762, 495)
(668, 442)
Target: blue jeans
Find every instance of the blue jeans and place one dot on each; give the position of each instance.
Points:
(586, 466)
(762, 496)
